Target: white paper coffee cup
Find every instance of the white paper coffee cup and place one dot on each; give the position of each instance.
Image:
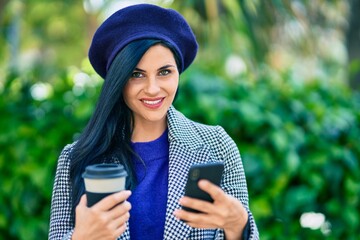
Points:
(102, 180)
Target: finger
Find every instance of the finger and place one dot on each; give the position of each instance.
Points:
(195, 219)
(184, 215)
(118, 222)
(112, 200)
(119, 210)
(201, 225)
(216, 193)
(83, 200)
(196, 204)
(198, 220)
(120, 230)
(81, 205)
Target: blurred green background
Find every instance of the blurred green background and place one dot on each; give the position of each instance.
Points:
(281, 76)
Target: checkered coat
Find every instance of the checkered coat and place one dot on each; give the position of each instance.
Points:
(190, 143)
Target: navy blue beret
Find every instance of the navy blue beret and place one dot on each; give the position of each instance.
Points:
(139, 22)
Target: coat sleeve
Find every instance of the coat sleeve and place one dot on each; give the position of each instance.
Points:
(234, 180)
(61, 222)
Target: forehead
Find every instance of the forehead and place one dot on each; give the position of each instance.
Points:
(157, 55)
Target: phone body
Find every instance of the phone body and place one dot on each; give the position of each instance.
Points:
(210, 171)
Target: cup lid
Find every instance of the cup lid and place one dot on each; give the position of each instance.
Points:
(104, 170)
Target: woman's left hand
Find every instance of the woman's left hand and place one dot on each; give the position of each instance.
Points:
(225, 212)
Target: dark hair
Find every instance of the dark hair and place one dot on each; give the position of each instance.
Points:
(107, 136)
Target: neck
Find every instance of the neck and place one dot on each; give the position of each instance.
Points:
(148, 132)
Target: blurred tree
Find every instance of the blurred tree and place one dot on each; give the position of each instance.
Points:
(353, 44)
(2, 6)
(300, 36)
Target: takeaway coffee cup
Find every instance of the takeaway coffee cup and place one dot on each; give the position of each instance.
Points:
(102, 180)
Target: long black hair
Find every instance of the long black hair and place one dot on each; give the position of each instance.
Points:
(107, 135)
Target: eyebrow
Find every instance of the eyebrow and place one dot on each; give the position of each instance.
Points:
(161, 68)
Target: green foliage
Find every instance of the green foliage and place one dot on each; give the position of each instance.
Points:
(32, 133)
(299, 144)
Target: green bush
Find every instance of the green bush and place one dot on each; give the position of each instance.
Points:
(300, 147)
(32, 134)
(299, 143)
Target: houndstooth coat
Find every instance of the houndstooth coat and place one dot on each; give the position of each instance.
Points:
(190, 143)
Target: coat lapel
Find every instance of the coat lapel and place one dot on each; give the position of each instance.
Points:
(126, 234)
(186, 149)
(180, 161)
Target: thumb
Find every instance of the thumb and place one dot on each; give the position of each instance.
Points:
(83, 200)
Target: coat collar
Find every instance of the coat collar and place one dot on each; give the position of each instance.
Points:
(186, 148)
(181, 130)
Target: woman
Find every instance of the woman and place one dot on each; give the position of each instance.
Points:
(140, 51)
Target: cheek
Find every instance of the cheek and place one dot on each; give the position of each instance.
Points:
(174, 85)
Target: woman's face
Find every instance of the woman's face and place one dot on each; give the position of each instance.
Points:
(151, 90)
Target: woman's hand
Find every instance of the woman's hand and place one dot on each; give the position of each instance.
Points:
(105, 220)
(225, 212)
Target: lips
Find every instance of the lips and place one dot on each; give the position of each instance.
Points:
(152, 103)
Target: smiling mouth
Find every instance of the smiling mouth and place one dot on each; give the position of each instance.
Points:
(153, 104)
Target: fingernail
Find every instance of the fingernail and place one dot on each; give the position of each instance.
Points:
(203, 182)
(176, 212)
(121, 194)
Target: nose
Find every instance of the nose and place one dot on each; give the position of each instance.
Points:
(152, 86)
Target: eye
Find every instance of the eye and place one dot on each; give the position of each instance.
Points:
(137, 75)
(164, 72)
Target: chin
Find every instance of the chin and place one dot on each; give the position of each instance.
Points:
(157, 116)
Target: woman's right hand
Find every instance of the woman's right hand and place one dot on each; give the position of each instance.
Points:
(105, 220)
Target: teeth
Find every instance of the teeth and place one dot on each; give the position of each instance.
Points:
(152, 102)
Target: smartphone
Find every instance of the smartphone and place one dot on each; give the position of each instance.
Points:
(209, 171)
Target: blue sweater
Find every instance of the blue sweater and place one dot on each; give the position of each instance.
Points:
(149, 198)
